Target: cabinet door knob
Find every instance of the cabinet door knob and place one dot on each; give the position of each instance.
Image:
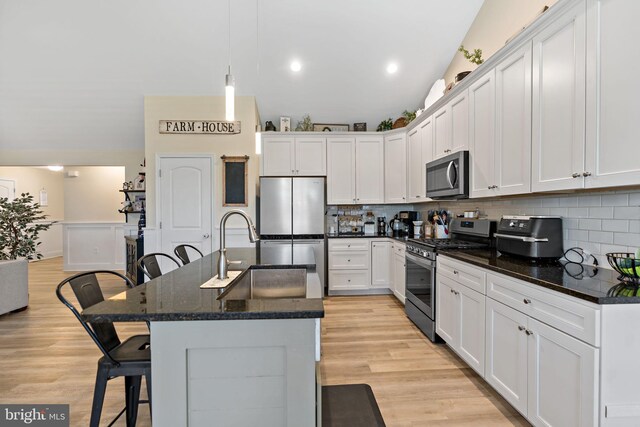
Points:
(455, 271)
(575, 175)
(348, 260)
(527, 301)
(206, 236)
(586, 174)
(528, 332)
(293, 171)
(297, 171)
(521, 328)
(349, 280)
(451, 290)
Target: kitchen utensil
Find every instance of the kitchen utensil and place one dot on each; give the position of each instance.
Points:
(417, 228)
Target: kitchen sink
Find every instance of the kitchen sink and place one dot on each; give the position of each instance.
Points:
(267, 283)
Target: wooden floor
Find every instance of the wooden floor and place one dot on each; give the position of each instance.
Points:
(46, 357)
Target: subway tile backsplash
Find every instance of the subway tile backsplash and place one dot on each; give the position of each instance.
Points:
(597, 222)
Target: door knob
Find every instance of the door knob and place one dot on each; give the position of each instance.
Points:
(206, 236)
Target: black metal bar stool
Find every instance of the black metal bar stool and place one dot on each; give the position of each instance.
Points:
(130, 359)
(150, 266)
(181, 253)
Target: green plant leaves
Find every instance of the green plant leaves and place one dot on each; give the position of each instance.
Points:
(19, 227)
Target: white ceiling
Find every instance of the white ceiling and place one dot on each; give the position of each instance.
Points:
(73, 73)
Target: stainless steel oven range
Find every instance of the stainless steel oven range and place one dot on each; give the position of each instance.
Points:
(420, 258)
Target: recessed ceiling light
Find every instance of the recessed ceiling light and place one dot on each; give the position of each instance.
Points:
(55, 168)
(295, 66)
(392, 68)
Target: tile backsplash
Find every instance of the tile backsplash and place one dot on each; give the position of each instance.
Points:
(597, 222)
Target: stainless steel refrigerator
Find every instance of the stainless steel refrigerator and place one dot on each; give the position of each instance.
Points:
(292, 220)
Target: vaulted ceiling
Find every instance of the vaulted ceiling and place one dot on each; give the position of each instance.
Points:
(73, 73)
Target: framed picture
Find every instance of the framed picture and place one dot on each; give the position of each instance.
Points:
(360, 127)
(138, 183)
(285, 124)
(234, 181)
(330, 127)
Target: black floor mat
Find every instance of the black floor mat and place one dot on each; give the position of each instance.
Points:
(351, 405)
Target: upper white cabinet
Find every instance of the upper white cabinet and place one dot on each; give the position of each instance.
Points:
(500, 128)
(395, 162)
(288, 155)
(415, 190)
(481, 135)
(419, 153)
(559, 103)
(613, 106)
(341, 168)
(451, 126)
(355, 172)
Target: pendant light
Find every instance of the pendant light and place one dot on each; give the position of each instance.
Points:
(229, 83)
(258, 126)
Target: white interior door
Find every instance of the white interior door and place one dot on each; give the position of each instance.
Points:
(185, 203)
(7, 189)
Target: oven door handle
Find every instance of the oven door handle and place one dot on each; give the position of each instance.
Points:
(521, 238)
(420, 261)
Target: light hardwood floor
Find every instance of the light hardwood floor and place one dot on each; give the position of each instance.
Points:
(46, 357)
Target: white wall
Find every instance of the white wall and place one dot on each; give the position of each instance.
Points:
(201, 108)
(495, 23)
(94, 195)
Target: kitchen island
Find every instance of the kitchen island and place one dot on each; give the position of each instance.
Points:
(223, 361)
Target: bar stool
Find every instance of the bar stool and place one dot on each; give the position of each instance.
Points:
(150, 266)
(130, 359)
(181, 253)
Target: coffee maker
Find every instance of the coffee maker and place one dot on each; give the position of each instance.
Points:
(407, 217)
(382, 226)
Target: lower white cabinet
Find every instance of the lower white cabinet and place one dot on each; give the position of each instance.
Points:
(460, 320)
(399, 273)
(381, 266)
(547, 375)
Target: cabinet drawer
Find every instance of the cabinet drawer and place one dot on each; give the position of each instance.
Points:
(348, 279)
(349, 260)
(349, 244)
(399, 248)
(576, 318)
(465, 274)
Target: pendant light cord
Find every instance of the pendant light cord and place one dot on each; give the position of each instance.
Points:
(229, 24)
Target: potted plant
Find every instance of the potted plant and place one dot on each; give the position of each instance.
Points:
(474, 58)
(19, 232)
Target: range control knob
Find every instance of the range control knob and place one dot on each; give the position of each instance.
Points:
(512, 224)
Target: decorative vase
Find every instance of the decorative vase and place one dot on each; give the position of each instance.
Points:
(269, 126)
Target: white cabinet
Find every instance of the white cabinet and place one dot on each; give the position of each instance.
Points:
(460, 320)
(395, 163)
(451, 126)
(612, 148)
(512, 149)
(287, 155)
(560, 369)
(341, 168)
(415, 186)
(419, 153)
(558, 117)
(349, 264)
(355, 170)
(481, 135)
(506, 344)
(369, 169)
(381, 264)
(399, 273)
(500, 128)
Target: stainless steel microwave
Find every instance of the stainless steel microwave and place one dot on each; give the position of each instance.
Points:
(448, 177)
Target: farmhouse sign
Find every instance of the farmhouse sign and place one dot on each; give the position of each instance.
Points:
(215, 127)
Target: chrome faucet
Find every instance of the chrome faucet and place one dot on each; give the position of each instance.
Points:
(223, 263)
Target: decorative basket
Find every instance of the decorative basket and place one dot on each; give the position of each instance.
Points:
(399, 123)
(627, 265)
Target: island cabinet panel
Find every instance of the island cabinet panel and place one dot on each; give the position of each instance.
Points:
(234, 372)
(612, 148)
(559, 103)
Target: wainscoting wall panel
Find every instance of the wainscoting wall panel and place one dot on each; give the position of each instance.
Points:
(94, 245)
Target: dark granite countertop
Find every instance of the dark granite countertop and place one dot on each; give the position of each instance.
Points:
(176, 295)
(591, 284)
